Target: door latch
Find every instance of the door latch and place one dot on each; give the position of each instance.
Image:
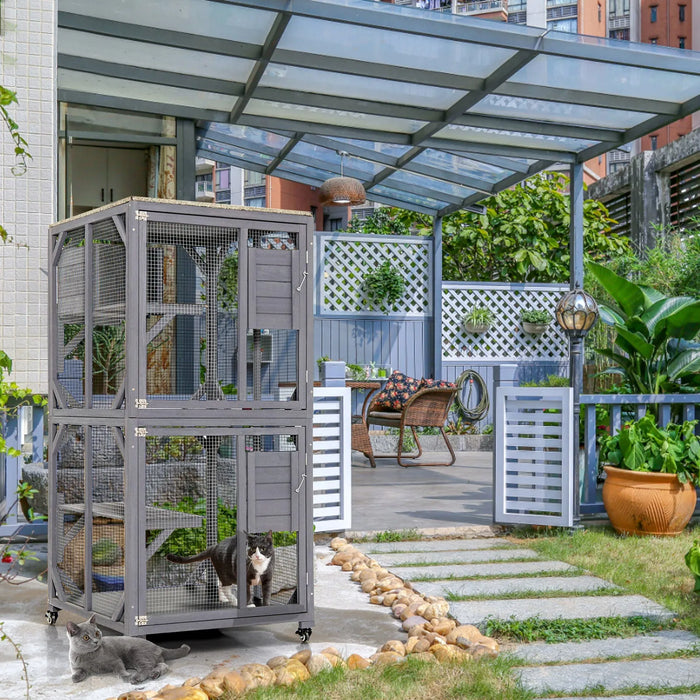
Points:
(301, 483)
(305, 274)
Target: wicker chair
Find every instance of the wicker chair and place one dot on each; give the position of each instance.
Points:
(426, 408)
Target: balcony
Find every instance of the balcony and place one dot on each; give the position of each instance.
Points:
(618, 156)
(562, 11)
(478, 8)
(619, 22)
(203, 191)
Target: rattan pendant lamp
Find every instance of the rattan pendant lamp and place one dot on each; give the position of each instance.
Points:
(341, 191)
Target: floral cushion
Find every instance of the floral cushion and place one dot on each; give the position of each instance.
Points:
(436, 384)
(396, 392)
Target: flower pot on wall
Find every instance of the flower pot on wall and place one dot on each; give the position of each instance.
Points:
(534, 328)
(472, 327)
(647, 503)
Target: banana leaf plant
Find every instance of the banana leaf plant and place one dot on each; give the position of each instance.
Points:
(655, 348)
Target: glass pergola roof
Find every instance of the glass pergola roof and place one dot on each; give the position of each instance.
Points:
(434, 110)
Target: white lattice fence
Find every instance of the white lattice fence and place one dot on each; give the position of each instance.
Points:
(344, 259)
(505, 341)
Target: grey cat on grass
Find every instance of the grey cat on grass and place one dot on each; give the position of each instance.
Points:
(134, 659)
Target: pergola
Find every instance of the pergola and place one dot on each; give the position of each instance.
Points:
(435, 111)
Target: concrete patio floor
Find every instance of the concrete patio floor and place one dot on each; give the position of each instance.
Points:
(392, 497)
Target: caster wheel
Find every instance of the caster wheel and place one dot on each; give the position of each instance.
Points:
(51, 617)
(304, 634)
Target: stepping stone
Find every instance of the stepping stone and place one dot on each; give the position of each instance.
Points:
(521, 568)
(496, 587)
(408, 558)
(613, 675)
(432, 545)
(664, 642)
(576, 607)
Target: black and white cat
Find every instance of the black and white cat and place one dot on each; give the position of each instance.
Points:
(132, 658)
(260, 564)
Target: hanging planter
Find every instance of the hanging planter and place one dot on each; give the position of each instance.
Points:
(535, 321)
(383, 287)
(478, 320)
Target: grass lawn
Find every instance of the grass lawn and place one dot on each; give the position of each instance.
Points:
(485, 679)
(650, 566)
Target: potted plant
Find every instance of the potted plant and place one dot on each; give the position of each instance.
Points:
(478, 319)
(383, 287)
(535, 321)
(651, 475)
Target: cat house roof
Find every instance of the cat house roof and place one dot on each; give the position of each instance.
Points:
(435, 110)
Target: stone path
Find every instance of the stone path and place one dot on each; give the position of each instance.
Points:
(479, 571)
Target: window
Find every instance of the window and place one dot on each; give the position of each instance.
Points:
(334, 224)
(654, 142)
(222, 179)
(654, 12)
(681, 42)
(223, 196)
(653, 40)
(600, 13)
(623, 34)
(681, 13)
(564, 25)
(254, 178)
(255, 202)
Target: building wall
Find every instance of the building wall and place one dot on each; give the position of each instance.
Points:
(285, 194)
(27, 202)
(591, 17)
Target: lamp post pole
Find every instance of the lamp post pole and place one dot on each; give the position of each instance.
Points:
(576, 337)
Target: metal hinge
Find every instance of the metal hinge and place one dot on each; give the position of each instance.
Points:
(140, 403)
(140, 432)
(307, 376)
(307, 257)
(141, 620)
(141, 216)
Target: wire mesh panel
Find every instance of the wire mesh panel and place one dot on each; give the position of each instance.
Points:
(191, 311)
(69, 344)
(108, 297)
(534, 456)
(190, 503)
(108, 549)
(68, 556)
(273, 483)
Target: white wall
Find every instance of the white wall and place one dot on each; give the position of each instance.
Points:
(27, 66)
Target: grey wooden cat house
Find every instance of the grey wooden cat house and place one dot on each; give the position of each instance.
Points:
(180, 411)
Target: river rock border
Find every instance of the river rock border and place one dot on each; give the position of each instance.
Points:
(432, 637)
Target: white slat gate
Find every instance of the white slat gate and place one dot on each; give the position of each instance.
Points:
(331, 468)
(534, 456)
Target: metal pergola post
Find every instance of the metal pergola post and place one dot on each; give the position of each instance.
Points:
(437, 297)
(575, 339)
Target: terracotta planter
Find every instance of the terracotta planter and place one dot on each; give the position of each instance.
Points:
(647, 503)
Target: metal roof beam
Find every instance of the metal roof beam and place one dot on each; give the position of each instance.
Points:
(545, 128)
(154, 35)
(348, 104)
(555, 156)
(214, 135)
(587, 99)
(268, 48)
(149, 75)
(283, 153)
(421, 192)
(132, 105)
(447, 176)
(351, 148)
(351, 132)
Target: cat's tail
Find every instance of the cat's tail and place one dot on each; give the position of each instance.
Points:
(177, 559)
(178, 653)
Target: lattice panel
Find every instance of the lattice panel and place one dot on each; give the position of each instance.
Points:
(344, 261)
(505, 341)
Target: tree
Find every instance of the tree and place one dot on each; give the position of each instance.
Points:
(522, 237)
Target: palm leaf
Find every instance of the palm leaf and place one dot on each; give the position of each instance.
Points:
(686, 362)
(629, 296)
(636, 341)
